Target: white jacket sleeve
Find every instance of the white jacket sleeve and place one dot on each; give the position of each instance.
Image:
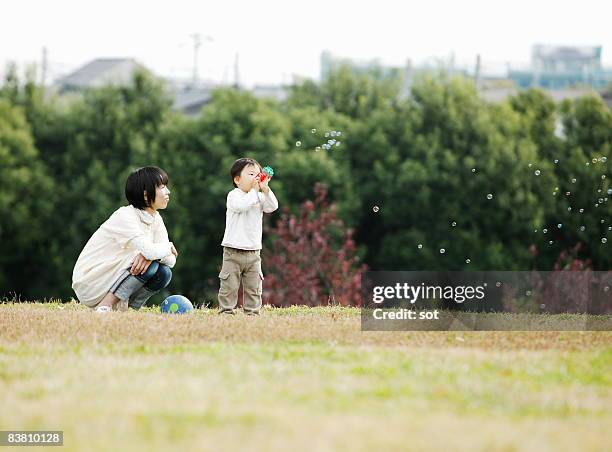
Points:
(125, 228)
(269, 203)
(122, 226)
(238, 202)
(150, 250)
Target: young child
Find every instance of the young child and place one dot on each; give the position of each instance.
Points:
(242, 239)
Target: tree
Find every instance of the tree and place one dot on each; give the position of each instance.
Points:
(313, 258)
(25, 204)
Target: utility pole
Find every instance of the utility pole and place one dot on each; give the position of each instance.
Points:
(237, 71)
(477, 72)
(197, 42)
(44, 66)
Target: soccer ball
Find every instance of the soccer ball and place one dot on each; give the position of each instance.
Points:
(176, 304)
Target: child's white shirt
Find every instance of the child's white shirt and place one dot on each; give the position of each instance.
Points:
(244, 218)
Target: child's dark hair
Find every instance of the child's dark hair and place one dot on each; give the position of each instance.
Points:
(144, 180)
(239, 165)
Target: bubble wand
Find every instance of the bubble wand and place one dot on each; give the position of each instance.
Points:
(266, 173)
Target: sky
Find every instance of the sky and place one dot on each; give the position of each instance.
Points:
(276, 40)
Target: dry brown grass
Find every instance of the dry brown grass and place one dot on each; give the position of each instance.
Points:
(297, 379)
(68, 323)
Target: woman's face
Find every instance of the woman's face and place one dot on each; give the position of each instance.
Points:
(162, 197)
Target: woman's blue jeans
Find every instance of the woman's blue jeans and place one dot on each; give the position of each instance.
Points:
(156, 277)
(139, 288)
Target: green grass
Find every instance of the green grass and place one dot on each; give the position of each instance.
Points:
(297, 379)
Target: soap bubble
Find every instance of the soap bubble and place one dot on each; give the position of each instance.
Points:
(600, 200)
(473, 170)
(594, 160)
(529, 165)
(489, 196)
(454, 223)
(544, 231)
(604, 240)
(338, 143)
(313, 131)
(339, 133)
(550, 242)
(375, 208)
(604, 159)
(583, 228)
(498, 284)
(567, 193)
(537, 172)
(606, 288)
(581, 210)
(528, 293)
(556, 160)
(603, 176)
(420, 246)
(318, 148)
(326, 134)
(569, 209)
(574, 180)
(298, 143)
(542, 306)
(559, 225)
(467, 261)
(442, 251)
(610, 191)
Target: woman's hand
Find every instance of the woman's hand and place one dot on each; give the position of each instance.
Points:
(140, 265)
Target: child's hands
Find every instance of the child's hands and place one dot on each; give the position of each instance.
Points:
(264, 185)
(255, 184)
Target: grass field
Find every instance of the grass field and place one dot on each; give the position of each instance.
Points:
(297, 379)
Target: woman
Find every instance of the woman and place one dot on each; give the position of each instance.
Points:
(128, 259)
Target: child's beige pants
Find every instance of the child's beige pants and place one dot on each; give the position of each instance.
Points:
(240, 265)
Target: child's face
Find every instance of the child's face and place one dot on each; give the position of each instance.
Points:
(247, 176)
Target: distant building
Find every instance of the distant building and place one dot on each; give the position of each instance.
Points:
(562, 67)
(373, 67)
(191, 101)
(100, 72)
(276, 92)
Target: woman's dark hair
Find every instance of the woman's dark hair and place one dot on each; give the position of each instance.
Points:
(144, 180)
(239, 165)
